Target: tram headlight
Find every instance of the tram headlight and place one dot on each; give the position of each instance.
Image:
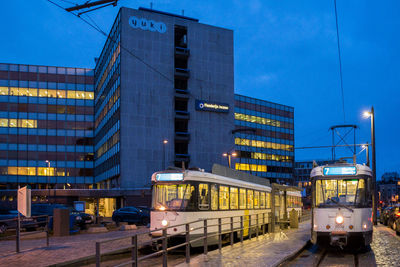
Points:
(164, 222)
(339, 219)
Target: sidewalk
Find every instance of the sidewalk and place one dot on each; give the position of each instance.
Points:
(61, 249)
(268, 250)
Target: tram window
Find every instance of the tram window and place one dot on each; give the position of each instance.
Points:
(256, 199)
(277, 204)
(262, 200)
(203, 197)
(223, 197)
(214, 197)
(268, 200)
(331, 192)
(242, 198)
(234, 198)
(250, 199)
(174, 197)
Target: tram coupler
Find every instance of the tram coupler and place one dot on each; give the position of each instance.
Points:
(338, 239)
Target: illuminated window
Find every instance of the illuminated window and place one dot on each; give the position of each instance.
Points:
(203, 197)
(3, 122)
(60, 172)
(52, 93)
(256, 199)
(252, 167)
(89, 95)
(223, 197)
(45, 171)
(12, 123)
(43, 92)
(70, 94)
(262, 144)
(23, 91)
(3, 90)
(61, 94)
(33, 92)
(234, 198)
(214, 197)
(12, 170)
(255, 119)
(250, 202)
(242, 198)
(14, 91)
(262, 200)
(268, 200)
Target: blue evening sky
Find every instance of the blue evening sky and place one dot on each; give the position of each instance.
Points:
(285, 52)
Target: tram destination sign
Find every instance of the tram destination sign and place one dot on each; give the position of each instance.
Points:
(347, 170)
(168, 177)
(204, 105)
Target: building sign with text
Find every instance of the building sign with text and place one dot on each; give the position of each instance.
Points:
(147, 25)
(204, 105)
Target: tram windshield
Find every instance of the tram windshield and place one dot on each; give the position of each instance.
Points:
(173, 197)
(340, 192)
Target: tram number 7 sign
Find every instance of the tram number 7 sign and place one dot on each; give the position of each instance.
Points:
(24, 201)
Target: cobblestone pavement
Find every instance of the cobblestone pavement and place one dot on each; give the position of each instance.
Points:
(61, 249)
(386, 246)
(268, 250)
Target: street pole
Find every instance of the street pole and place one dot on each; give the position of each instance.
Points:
(229, 160)
(165, 142)
(48, 181)
(374, 198)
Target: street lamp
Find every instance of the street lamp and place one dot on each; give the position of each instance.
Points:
(229, 156)
(165, 142)
(371, 114)
(48, 180)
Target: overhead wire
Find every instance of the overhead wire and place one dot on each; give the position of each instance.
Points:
(340, 61)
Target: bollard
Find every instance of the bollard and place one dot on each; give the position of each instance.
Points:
(231, 236)
(47, 231)
(205, 238)
(241, 229)
(294, 220)
(187, 243)
(219, 235)
(135, 251)
(164, 247)
(98, 256)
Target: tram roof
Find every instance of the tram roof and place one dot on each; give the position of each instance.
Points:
(189, 175)
(360, 170)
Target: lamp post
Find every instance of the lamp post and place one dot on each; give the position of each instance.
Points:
(229, 157)
(48, 180)
(165, 142)
(371, 114)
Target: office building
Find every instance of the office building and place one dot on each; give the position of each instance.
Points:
(46, 126)
(161, 77)
(264, 138)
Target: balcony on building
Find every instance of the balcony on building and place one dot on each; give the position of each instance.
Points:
(182, 136)
(182, 73)
(182, 52)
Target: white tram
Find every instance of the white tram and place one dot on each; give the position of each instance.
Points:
(187, 196)
(342, 205)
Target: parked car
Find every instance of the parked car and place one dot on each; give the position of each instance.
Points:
(393, 215)
(79, 219)
(396, 225)
(132, 215)
(385, 215)
(8, 220)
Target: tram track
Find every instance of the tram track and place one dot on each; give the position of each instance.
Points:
(315, 256)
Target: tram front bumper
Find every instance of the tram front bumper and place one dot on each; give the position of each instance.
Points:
(338, 238)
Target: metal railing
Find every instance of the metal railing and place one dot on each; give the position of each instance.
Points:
(255, 225)
(14, 225)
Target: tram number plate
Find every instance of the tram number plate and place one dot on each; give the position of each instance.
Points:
(338, 233)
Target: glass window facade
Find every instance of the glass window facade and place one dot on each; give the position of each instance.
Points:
(264, 138)
(107, 111)
(46, 126)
